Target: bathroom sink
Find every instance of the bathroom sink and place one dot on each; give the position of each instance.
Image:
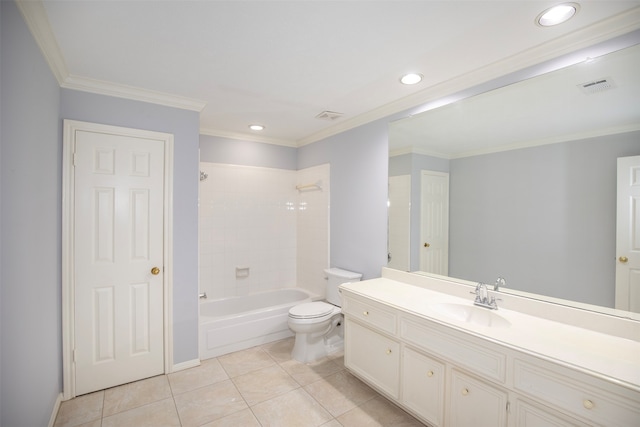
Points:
(471, 314)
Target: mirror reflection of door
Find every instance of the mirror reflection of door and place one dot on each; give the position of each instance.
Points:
(399, 229)
(434, 222)
(628, 235)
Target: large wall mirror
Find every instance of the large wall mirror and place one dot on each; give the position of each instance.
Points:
(528, 172)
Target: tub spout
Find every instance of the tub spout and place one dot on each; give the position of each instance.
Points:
(202, 295)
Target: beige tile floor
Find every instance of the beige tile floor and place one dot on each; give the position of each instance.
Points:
(260, 386)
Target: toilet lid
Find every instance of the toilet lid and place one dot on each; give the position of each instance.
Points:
(311, 310)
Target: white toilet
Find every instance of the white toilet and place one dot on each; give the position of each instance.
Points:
(318, 325)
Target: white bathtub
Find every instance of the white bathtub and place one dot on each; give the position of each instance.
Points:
(237, 323)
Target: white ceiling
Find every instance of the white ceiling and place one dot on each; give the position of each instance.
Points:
(281, 63)
(548, 108)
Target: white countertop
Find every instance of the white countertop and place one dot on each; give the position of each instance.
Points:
(607, 356)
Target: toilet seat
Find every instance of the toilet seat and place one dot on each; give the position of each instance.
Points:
(313, 310)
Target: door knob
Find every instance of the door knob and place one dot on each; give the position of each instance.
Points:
(155, 271)
(426, 245)
(623, 259)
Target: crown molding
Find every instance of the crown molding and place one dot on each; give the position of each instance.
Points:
(602, 31)
(551, 140)
(35, 16)
(247, 137)
(517, 146)
(418, 150)
(130, 92)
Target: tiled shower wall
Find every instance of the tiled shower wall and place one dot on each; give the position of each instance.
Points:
(258, 232)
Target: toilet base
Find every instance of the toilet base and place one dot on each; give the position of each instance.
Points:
(313, 346)
(308, 348)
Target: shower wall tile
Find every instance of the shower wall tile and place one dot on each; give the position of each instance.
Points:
(254, 217)
(313, 229)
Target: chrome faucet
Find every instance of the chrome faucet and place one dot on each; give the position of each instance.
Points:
(483, 299)
(500, 282)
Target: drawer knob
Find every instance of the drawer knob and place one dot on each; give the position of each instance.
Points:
(430, 373)
(465, 391)
(588, 404)
(388, 351)
(366, 313)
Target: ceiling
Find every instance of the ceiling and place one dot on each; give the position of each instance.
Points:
(282, 63)
(590, 98)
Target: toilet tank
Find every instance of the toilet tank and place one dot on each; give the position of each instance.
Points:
(335, 278)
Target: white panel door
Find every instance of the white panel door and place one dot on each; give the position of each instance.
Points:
(434, 223)
(118, 255)
(628, 235)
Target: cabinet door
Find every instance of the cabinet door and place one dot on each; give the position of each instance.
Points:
(373, 356)
(476, 403)
(528, 415)
(423, 386)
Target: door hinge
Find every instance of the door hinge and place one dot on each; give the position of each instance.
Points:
(73, 355)
(508, 407)
(74, 159)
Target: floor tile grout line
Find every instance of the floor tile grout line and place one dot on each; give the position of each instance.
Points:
(277, 358)
(173, 398)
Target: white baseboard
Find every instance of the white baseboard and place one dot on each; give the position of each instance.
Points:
(185, 365)
(56, 408)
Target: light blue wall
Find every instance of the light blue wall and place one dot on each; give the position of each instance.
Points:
(184, 125)
(359, 162)
(33, 107)
(31, 174)
(247, 153)
(542, 217)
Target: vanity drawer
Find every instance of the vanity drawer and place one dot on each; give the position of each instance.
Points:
(370, 313)
(569, 394)
(476, 358)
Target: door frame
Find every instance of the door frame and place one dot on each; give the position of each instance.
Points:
(68, 261)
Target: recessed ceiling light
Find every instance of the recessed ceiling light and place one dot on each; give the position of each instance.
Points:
(256, 127)
(411, 79)
(557, 14)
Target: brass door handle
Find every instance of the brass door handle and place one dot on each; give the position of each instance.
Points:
(426, 245)
(623, 259)
(155, 271)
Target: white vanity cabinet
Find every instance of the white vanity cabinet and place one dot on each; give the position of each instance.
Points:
(528, 414)
(475, 403)
(402, 365)
(374, 357)
(423, 385)
(447, 376)
(371, 352)
(594, 400)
